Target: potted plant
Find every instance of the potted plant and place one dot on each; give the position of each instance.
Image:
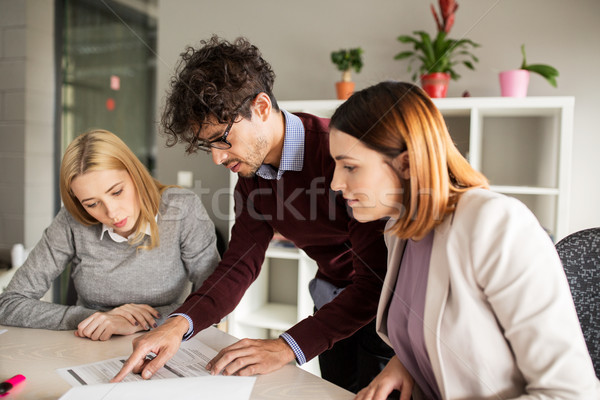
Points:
(345, 60)
(514, 83)
(440, 55)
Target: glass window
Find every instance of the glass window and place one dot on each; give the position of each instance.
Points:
(108, 73)
(108, 69)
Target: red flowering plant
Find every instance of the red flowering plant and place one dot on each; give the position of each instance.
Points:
(439, 54)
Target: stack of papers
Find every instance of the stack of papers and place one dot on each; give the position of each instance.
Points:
(183, 377)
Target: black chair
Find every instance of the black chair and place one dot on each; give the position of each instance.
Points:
(580, 256)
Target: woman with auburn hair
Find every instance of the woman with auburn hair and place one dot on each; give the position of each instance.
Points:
(135, 246)
(475, 302)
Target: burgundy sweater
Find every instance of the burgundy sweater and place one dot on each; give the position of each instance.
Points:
(302, 207)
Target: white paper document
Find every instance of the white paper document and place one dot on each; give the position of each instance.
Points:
(183, 377)
(205, 387)
(189, 361)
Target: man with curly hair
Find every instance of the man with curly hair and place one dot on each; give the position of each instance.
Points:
(221, 102)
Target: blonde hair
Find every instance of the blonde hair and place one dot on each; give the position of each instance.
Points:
(393, 117)
(100, 150)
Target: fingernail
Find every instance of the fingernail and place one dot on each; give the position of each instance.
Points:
(136, 323)
(155, 324)
(208, 366)
(146, 375)
(147, 327)
(159, 315)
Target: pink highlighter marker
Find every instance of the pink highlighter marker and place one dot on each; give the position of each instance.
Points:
(10, 383)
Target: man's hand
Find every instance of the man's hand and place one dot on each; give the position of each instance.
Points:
(251, 357)
(163, 341)
(123, 320)
(393, 376)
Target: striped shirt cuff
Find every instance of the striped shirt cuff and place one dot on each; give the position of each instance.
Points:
(190, 331)
(300, 359)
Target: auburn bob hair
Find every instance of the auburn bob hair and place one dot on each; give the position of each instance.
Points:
(393, 117)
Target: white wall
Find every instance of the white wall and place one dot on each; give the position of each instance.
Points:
(297, 37)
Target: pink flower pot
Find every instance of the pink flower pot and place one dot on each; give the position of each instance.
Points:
(514, 83)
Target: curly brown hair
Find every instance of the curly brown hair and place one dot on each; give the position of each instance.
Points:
(214, 80)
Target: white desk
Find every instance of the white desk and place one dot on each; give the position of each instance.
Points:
(37, 353)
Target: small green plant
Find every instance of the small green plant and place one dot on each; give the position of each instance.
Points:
(346, 60)
(546, 71)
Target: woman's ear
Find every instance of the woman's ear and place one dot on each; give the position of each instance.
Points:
(262, 106)
(402, 164)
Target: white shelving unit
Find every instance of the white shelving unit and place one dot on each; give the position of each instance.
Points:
(522, 145)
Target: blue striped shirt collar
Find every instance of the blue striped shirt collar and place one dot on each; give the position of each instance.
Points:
(292, 156)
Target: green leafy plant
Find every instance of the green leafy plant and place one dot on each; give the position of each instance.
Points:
(439, 53)
(347, 59)
(546, 71)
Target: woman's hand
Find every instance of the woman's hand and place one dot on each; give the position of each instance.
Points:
(123, 320)
(393, 376)
(137, 314)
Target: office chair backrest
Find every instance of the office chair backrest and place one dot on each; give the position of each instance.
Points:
(580, 256)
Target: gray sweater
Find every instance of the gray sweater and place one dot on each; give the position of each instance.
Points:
(107, 274)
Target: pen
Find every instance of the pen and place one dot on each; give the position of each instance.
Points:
(11, 383)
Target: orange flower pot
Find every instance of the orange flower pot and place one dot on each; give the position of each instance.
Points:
(435, 84)
(344, 89)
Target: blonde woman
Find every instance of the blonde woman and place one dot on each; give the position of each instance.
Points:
(475, 302)
(135, 246)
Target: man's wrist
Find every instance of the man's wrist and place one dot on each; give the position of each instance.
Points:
(299, 354)
(290, 355)
(181, 324)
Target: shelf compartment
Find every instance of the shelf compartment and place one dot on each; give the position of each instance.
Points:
(288, 253)
(531, 151)
(459, 129)
(282, 281)
(271, 316)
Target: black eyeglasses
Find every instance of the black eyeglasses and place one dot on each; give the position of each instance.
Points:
(221, 143)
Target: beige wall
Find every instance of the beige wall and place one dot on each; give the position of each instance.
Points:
(297, 37)
(26, 120)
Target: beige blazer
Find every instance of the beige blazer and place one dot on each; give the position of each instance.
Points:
(499, 319)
